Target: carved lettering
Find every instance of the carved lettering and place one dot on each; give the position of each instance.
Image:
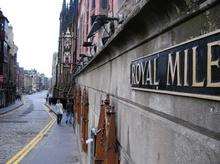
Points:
(149, 75)
(191, 68)
(155, 82)
(138, 74)
(173, 69)
(143, 69)
(195, 83)
(186, 68)
(133, 80)
(211, 63)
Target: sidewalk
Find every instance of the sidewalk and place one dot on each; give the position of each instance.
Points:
(59, 146)
(51, 107)
(12, 107)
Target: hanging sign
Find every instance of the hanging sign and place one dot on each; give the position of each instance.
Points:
(191, 69)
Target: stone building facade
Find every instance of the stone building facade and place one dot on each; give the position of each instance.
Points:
(27, 83)
(8, 63)
(66, 51)
(20, 79)
(155, 123)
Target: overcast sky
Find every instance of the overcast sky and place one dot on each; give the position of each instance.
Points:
(36, 27)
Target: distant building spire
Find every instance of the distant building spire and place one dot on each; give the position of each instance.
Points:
(71, 8)
(63, 15)
(64, 10)
(64, 5)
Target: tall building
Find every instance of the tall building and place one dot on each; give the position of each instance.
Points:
(66, 49)
(8, 63)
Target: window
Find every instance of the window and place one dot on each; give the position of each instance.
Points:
(67, 60)
(93, 4)
(104, 4)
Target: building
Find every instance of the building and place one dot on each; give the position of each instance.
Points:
(12, 66)
(20, 79)
(35, 81)
(66, 50)
(8, 62)
(44, 82)
(27, 83)
(3, 49)
(147, 83)
(54, 72)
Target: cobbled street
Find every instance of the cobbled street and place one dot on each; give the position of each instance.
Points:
(18, 127)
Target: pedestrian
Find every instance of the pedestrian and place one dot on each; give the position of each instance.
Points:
(47, 98)
(69, 112)
(59, 111)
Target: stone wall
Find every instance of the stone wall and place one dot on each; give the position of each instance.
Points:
(155, 128)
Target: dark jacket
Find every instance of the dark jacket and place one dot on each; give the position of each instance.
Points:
(69, 107)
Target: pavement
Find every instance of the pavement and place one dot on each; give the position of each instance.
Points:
(20, 126)
(12, 107)
(58, 147)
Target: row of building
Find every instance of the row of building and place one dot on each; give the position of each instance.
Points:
(31, 81)
(8, 63)
(144, 76)
(14, 80)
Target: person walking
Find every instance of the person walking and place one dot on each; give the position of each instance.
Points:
(59, 111)
(69, 111)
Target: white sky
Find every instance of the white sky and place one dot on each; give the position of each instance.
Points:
(36, 28)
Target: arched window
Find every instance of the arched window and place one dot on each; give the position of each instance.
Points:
(67, 60)
(93, 4)
(104, 4)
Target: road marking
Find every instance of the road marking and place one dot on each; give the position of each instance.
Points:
(25, 150)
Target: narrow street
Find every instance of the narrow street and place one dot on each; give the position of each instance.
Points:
(110, 82)
(20, 126)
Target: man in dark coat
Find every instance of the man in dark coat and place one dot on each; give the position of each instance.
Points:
(69, 112)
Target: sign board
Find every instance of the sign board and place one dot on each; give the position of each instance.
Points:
(190, 69)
